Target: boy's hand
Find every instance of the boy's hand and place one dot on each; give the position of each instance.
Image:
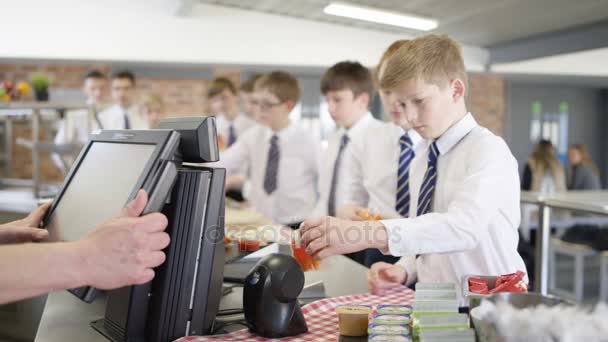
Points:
(327, 236)
(383, 276)
(25, 230)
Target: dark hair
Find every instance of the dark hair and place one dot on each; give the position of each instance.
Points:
(220, 84)
(248, 85)
(348, 75)
(124, 74)
(280, 83)
(95, 74)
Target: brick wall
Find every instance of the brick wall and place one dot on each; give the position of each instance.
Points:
(487, 101)
(183, 97)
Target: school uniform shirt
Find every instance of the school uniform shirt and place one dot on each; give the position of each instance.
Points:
(472, 228)
(296, 192)
(114, 118)
(75, 128)
(77, 125)
(328, 161)
(372, 163)
(241, 124)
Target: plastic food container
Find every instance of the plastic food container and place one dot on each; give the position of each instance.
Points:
(353, 319)
(386, 329)
(392, 319)
(394, 310)
(390, 338)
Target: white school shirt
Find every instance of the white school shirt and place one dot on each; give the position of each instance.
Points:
(113, 118)
(356, 133)
(296, 193)
(372, 164)
(472, 228)
(75, 128)
(77, 125)
(241, 124)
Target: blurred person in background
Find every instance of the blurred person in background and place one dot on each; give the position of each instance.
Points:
(246, 95)
(543, 172)
(583, 174)
(77, 125)
(152, 109)
(124, 114)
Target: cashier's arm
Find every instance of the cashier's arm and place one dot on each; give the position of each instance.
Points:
(120, 252)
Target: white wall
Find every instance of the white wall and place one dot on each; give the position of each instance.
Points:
(139, 30)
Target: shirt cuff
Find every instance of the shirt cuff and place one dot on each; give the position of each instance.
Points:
(397, 242)
(411, 269)
(246, 190)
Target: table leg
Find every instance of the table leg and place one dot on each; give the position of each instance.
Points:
(541, 271)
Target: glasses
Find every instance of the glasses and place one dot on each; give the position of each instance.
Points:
(265, 105)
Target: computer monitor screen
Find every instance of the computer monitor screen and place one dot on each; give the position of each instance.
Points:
(105, 178)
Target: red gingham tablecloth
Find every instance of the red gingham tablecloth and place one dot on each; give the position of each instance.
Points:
(320, 316)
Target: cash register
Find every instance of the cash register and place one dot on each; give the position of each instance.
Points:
(183, 298)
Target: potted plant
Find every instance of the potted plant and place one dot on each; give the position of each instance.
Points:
(40, 83)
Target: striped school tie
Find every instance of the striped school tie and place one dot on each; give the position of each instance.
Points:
(428, 184)
(272, 166)
(331, 202)
(406, 156)
(231, 135)
(127, 121)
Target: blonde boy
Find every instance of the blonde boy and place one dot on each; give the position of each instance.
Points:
(468, 205)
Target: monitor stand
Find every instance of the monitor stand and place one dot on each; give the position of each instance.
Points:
(183, 299)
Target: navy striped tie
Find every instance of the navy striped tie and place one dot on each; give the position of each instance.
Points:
(231, 135)
(272, 166)
(402, 204)
(331, 202)
(427, 189)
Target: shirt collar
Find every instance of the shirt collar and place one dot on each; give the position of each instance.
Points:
(454, 134)
(282, 134)
(414, 137)
(359, 126)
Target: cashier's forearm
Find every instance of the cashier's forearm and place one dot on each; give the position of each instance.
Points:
(28, 270)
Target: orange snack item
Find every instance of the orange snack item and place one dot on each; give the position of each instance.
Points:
(248, 245)
(305, 261)
(367, 215)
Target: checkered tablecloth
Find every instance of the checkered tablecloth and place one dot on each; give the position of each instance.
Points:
(320, 316)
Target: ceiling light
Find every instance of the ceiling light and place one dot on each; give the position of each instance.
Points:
(380, 16)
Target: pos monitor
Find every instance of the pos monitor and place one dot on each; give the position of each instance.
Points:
(183, 298)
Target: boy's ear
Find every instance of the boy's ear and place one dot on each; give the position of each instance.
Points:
(290, 104)
(364, 97)
(458, 89)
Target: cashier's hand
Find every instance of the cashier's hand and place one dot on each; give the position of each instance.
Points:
(25, 230)
(327, 236)
(122, 251)
(383, 276)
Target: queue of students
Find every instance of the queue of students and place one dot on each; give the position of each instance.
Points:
(429, 194)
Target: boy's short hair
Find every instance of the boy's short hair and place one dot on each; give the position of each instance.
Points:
(435, 59)
(151, 100)
(388, 53)
(247, 86)
(219, 84)
(348, 75)
(124, 74)
(282, 84)
(94, 74)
